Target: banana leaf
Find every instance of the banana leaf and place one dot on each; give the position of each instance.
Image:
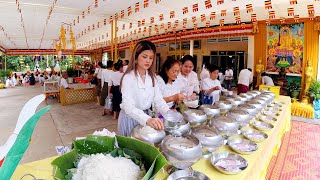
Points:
(130, 148)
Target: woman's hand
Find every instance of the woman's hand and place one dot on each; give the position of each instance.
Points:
(216, 88)
(155, 123)
(179, 97)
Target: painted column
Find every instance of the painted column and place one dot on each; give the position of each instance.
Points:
(318, 74)
(191, 47)
(250, 61)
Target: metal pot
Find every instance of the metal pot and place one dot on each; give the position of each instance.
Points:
(251, 109)
(209, 138)
(227, 93)
(257, 104)
(247, 95)
(210, 110)
(226, 125)
(241, 116)
(183, 129)
(224, 106)
(181, 152)
(195, 117)
(152, 138)
(172, 120)
(242, 98)
(234, 101)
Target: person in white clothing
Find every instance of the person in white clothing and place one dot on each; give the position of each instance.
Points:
(9, 83)
(244, 80)
(125, 65)
(97, 74)
(63, 81)
(188, 78)
(140, 91)
(114, 89)
(211, 86)
(170, 89)
(228, 78)
(266, 80)
(105, 80)
(204, 73)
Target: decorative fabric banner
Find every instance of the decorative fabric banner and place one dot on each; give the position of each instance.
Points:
(203, 17)
(272, 15)
(290, 12)
(223, 12)
(145, 3)
(249, 8)
(236, 11)
(172, 14)
(185, 10)
(137, 7)
(268, 4)
(195, 8)
(285, 47)
(207, 4)
(212, 15)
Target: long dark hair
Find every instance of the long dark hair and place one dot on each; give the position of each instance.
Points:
(138, 49)
(165, 67)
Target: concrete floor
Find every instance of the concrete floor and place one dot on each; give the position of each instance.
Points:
(58, 127)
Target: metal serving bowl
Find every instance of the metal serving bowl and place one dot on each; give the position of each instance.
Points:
(227, 93)
(188, 174)
(195, 117)
(248, 95)
(209, 138)
(251, 109)
(255, 92)
(240, 115)
(242, 146)
(229, 163)
(268, 119)
(254, 135)
(262, 101)
(252, 94)
(235, 102)
(257, 104)
(181, 152)
(172, 120)
(263, 126)
(151, 138)
(245, 97)
(210, 110)
(224, 106)
(226, 125)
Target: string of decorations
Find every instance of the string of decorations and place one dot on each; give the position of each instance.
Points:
(47, 20)
(22, 22)
(7, 36)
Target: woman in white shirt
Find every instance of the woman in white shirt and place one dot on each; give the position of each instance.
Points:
(211, 86)
(266, 80)
(169, 88)
(204, 73)
(140, 91)
(188, 78)
(97, 74)
(114, 88)
(105, 79)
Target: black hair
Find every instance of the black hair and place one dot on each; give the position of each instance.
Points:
(206, 64)
(117, 66)
(250, 69)
(109, 64)
(127, 61)
(263, 74)
(187, 58)
(100, 64)
(212, 68)
(165, 67)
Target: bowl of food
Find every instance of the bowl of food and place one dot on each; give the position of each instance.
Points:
(148, 134)
(254, 135)
(224, 106)
(229, 163)
(251, 109)
(195, 117)
(263, 126)
(228, 126)
(182, 152)
(187, 174)
(235, 102)
(267, 119)
(210, 110)
(242, 146)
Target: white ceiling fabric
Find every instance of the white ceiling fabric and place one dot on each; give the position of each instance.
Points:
(35, 14)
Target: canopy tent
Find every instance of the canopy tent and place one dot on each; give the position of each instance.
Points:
(34, 24)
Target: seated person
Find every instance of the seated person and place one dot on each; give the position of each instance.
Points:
(63, 81)
(211, 86)
(8, 83)
(266, 80)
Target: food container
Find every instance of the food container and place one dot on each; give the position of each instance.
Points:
(263, 126)
(188, 174)
(242, 146)
(226, 125)
(254, 135)
(235, 102)
(251, 109)
(229, 163)
(267, 119)
(209, 138)
(227, 93)
(224, 106)
(195, 117)
(240, 115)
(210, 110)
(181, 152)
(148, 134)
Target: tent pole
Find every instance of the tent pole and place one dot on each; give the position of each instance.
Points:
(116, 42)
(112, 41)
(5, 62)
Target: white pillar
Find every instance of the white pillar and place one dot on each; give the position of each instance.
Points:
(318, 74)
(191, 47)
(250, 62)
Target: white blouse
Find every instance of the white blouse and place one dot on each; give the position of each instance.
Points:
(168, 90)
(138, 96)
(115, 78)
(208, 83)
(106, 76)
(189, 84)
(63, 82)
(98, 71)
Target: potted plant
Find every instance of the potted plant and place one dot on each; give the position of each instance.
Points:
(314, 94)
(71, 74)
(294, 89)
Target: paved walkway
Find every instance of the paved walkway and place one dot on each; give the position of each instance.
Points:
(57, 127)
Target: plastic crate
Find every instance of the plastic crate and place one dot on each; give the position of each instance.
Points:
(273, 89)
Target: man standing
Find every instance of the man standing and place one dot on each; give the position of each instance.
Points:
(244, 80)
(125, 65)
(228, 78)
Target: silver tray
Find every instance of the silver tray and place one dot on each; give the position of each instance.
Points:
(229, 163)
(267, 119)
(254, 135)
(270, 113)
(263, 126)
(242, 146)
(188, 175)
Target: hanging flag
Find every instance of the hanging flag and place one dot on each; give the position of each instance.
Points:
(123, 26)
(172, 14)
(110, 20)
(139, 23)
(145, 3)
(157, 1)
(203, 17)
(174, 29)
(88, 9)
(129, 11)
(195, 8)
(104, 21)
(207, 4)
(220, 2)
(122, 14)
(236, 11)
(223, 12)
(116, 16)
(293, 2)
(268, 4)
(78, 19)
(98, 25)
(212, 15)
(253, 17)
(184, 21)
(88, 28)
(143, 22)
(238, 19)
(169, 25)
(162, 26)
(272, 14)
(130, 26)
(310, 9)
(95, 3)
(137, 7)
(93, 27)
(208, 24)
(74, 22)
(184, 27)
(249, 8)
(296, 18)
(161, 17)
(82, 14)
(282, 20)
(185, 10)
(290, 12)
(152, 20)
(194, 19)
(176, 23)
(195, 26)
(221, 22)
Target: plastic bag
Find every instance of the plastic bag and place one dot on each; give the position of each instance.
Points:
(108, 103)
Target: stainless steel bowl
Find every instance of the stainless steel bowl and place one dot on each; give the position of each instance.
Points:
(251, 109)
(195, 117)
(226, 125)
(242, 146)
(235, 102)
(254, 135)
(227, 93)
(244, 97)
(248, 95)
(267, 119)
(210, 110)
(181, 152)
(182, 130)
(255, 92)
(252, 94)
(172, 120)
(270, 113)
(224, 106)
(188, 175)
(154, 137)
(229, 163)
(209, 138)
(256, 104)
(263, 126)
(240, 115)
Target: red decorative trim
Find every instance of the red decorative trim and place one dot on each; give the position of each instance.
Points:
(43, 51)
(2, 49)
